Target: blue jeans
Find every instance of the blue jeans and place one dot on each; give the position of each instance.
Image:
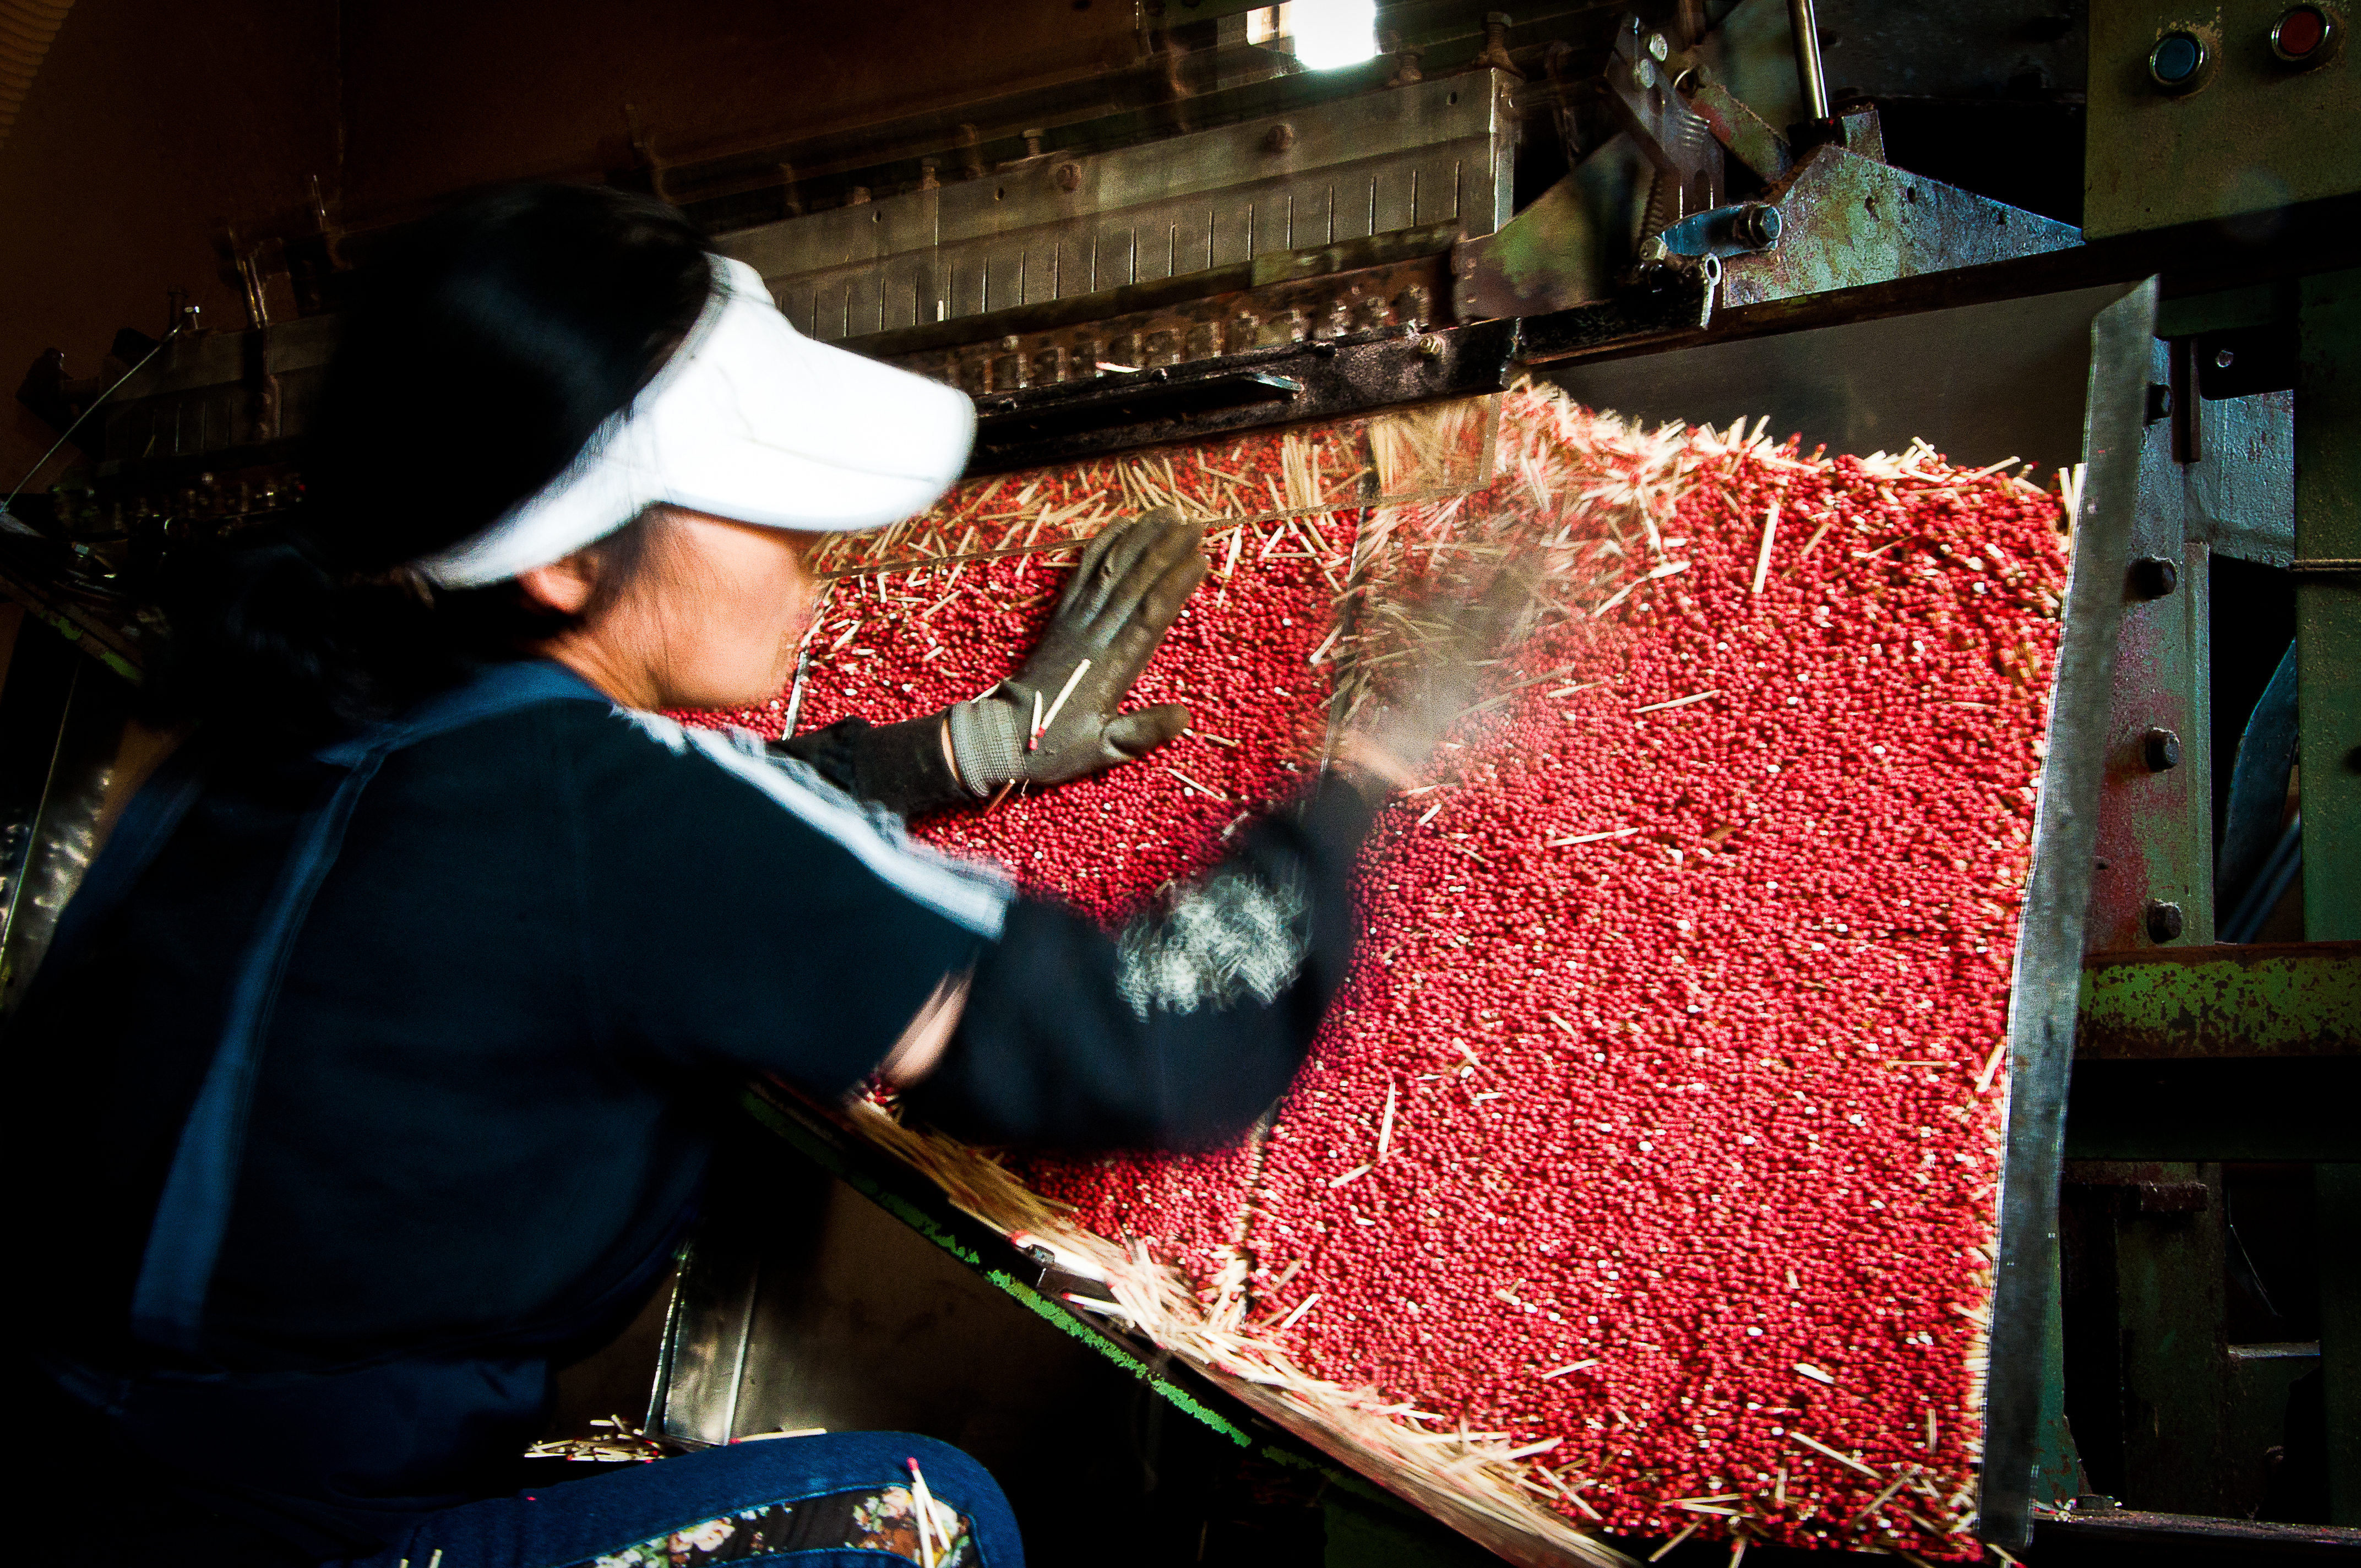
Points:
(580, 1521)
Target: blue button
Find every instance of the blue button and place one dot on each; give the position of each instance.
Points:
(2176, 58)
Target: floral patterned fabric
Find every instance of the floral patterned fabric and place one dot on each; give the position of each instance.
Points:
(872, 1518)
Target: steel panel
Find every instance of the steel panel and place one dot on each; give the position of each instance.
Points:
(2155, 825)
(1377, 163)
(2050, 931)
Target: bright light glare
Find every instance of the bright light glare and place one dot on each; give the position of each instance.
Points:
(1330, 33)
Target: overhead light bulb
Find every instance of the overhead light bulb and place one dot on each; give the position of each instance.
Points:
(1332, 33)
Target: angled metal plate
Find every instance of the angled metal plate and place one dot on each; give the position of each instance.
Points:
(2048, 969)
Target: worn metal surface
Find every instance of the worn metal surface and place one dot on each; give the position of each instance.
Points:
(210, 392)
(1745, 134)
(1563, 250)
(2255, 137)
(2016, 374)
(2047, 970)
(2328, 605)
(835, 1279)
(2155, 848)
(1434, 152)
(1673, 138)
(2133, 1535)
(2239, 495)
(1408, 293)
(1851, 220)
(2170, 1367)
(2251, 1000)
(1240, 391)
(1206, 295)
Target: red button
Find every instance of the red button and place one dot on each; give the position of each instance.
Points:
(2299, 33)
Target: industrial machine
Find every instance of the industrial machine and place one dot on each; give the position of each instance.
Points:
(1667, 210)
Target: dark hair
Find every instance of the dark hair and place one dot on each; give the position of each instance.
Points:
(485, 347)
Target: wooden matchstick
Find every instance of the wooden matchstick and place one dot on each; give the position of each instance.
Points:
(1042, 721)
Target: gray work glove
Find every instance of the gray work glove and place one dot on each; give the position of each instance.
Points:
(1124, 595)
(1125, 592)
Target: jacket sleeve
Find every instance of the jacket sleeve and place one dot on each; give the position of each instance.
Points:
(1176, 1031)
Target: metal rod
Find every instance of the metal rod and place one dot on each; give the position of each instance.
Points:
(1815, 82)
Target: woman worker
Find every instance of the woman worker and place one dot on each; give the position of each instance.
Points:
(375, 1054)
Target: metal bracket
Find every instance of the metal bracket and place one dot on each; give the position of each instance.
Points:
(1673, 137)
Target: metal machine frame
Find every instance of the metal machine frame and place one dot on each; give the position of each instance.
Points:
(1123, 289)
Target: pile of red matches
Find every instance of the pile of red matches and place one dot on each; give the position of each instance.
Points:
(1655, 1139)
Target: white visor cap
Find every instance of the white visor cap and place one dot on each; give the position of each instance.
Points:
(748, 419)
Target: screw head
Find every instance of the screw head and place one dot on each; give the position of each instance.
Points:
(2161, 748)
(1758, 225)
(1653, 248)
(1658, 47)
(2153, 577)
(2164, 921)
(1280, 138)
(2224, 359)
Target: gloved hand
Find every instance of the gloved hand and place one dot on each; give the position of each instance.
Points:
(1056, 718)
(1124, 595)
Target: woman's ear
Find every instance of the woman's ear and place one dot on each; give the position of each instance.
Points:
(563, 586)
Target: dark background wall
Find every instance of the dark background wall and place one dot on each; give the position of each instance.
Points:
(152, 123)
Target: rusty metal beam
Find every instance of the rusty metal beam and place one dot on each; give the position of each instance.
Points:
(2276, 999)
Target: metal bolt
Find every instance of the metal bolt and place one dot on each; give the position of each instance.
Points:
(1654, 249)
(1281, 137)
(1757, 225)
(1032, 143)
(1658, 49)
(1430, 346)
(2161, 748)
(2164, 922)
(1069, 176)
(2224, 360)
(2159, 401)
(2153, 577)
(1643, 74)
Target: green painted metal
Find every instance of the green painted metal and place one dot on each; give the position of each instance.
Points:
(2280, 999)
(2170, 1277)
(2328, 601)
(1750, 138)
